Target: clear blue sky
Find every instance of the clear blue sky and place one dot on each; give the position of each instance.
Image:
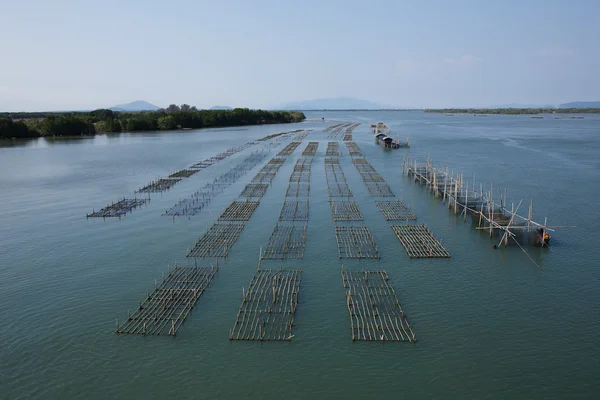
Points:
(76, 54)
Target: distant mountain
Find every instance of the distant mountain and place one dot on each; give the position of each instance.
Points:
(221, 108)
(338, 103)
(581, 104)
(138, 105)
(513, 105)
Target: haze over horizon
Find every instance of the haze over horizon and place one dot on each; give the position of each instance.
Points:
(66, 55)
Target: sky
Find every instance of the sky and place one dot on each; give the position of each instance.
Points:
(77, 55)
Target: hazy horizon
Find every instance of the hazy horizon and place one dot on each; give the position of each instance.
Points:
(71, 56)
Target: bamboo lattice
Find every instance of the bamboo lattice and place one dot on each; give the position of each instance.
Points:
(375, 312)
(379, 189)
(118, 209)
(286, 242)
(255, 190)
(294, 210)
(239, 211)
(353, 149)
(166, 308)
(311, 149)
(355, 242)
(159, 185)
(289, 149)
(184, 173)
(268, 308)
(419, 242)
(333, 149)
(395, 210)
(343, 210)
(298, 189)
(217, 240)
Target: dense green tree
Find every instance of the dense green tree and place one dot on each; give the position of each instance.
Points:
(166, 123)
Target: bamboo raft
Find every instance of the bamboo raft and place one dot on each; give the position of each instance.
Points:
(311, 149)
(183, 173)
(366, 170)
(375, 312)
(419, 242)
(379, 189)
(298, 189)
(294, 210)
(342, 210)
(239, 211)
(118, 209)
(268, 306)
(166, 308)
(221, 156)
(355, 242)
(200, 199)
(217, 240)
(255, 190)
(333, 149)
(395, 210)
(348, 134)
(337, 189)
(289, 149)
(159, 185)
(286, 242)
(353, 149)
(263, 177)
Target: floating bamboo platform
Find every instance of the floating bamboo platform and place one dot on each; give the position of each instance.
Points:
(353, 149)
(337, 189)
(375, 312)
(159, 185)
(286, 242)
(419, 242)
(268, 306)
(298, 189)
(333, 149)
(118, 209)
(255, 190)
(221, 156)
(294, 210)
(343, 210)
(311, 149)
(395, 210)
(366, 170)
(200, 199)
(166, 308)
(239, 211)
(355, 242)
(183, 173)
(348, 134)
(379, 189)
(217, 240)
(263, 177)
(289, 149)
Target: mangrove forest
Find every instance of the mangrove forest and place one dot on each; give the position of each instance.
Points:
(40, 124)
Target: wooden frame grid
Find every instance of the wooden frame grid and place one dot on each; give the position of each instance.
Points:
(289, 149)
(268, 307)
(395, 210)
(379, 189)
(419, 242)
(333, 149)
(294, 210)
(345, 210)
(355, 242)
(183, 173)
(286, 242)
(255, 190)
(375, 312)
(118, 209)
(166, 308)
(159, 185)
(217, 241)
(353, 149)
(239, 211)
(311, 149)
(298, 189)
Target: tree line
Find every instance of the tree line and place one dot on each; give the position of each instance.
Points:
(32, 125)
(513, 111)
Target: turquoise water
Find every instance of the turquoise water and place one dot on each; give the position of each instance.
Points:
(490, 323)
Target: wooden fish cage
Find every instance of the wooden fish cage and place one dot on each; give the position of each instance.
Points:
(268, 306)
(487, 214)
(166, 308)
(375, 311)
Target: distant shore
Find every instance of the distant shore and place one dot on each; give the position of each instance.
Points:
(23, 125)
(515, 111)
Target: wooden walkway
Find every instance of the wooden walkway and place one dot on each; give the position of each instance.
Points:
(355, 242)
(395, 210)
(268, 307)
(375, 312)
(217, 240)
(166, 308)
(419, 242)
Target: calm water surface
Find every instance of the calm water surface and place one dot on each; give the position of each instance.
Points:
(490, 323)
